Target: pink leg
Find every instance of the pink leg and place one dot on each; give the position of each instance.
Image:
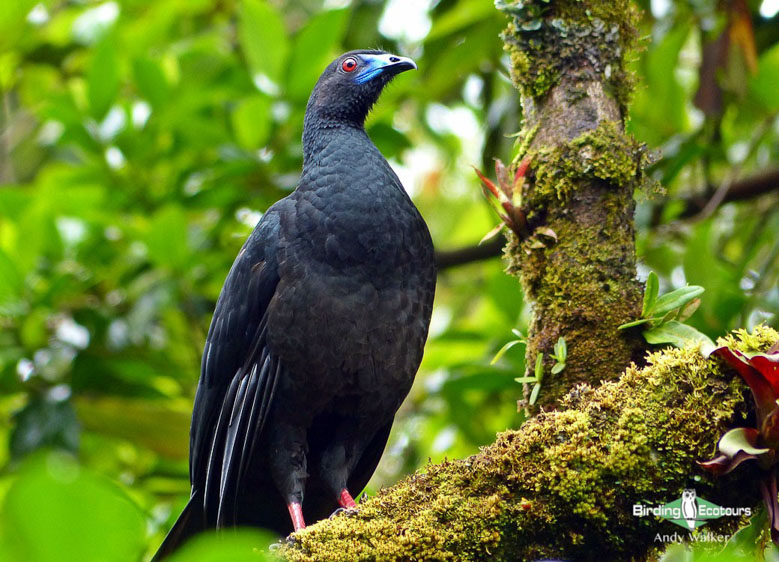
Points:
(296, 514)
(345, 500)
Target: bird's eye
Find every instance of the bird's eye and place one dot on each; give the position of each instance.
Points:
(349, 65)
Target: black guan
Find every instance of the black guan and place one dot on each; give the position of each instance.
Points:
(318, 331)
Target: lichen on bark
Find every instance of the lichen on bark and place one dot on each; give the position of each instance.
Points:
(564, 484)
(569, 63)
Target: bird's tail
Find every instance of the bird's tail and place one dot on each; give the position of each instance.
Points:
(188, 524)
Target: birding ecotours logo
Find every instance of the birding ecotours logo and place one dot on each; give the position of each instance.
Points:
(689, 511)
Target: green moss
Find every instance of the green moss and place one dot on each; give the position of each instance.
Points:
(546, 39)
(605, 153)
(583, 285)
(562, 485)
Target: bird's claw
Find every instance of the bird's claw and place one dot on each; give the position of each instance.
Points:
(345, 510)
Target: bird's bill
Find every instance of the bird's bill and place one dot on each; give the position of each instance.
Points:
(376, 65)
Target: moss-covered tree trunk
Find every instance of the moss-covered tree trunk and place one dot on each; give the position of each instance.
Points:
(563, 486)
(568, 62)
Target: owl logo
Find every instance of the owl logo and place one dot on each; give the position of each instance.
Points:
(689, 508)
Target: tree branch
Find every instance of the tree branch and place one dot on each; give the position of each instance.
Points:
(445, 259)
(760, 184)
(563, 485)
(742, 190)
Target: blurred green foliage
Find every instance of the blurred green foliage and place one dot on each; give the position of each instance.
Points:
(141, 141)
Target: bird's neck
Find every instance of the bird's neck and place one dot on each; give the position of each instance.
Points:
(319, 132)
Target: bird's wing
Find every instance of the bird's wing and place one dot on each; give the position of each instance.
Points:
(238, 377)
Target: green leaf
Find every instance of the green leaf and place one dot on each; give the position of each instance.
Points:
(314, 48)
(539, 369)
(650, 293)
(44, 423)
(166, 238)
(534, 393)
(387, 139)
(740, 439)
(638, 323)
(526, 380)
(503, 351)
(151, 82)
(561, 350)
(11, 281)
(675, 299)
(103, 78)
(558, 368)
(264, 42)
(59, 511)
(251, 122)
(240, 545)
(462, 15)
(689, 309)
(765, 85)
(675, 333)
(12, 21)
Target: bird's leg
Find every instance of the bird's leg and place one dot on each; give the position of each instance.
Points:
(296, 514)
(334, 469)
(345, 500)
(338, 461)
(288, 468)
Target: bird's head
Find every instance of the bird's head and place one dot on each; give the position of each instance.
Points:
(352, 83)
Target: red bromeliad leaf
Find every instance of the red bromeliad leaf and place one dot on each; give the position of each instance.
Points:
(502, 173)
(489, 185)
(741, 439)
(513, 215)
(768, 491)
(521, 171)
(738, 445)
(520, 222)
(492, 233)
(769, 429)
(723, 464)
(768, 365)
(764, 389)
(718, 465)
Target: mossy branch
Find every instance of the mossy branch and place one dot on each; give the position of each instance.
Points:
(564, 484)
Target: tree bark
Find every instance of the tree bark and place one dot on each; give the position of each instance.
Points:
(568, 62)
(563, 486)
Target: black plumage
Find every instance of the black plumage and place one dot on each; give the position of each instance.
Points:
(319, 329)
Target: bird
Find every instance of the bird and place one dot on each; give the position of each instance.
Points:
(318, 331)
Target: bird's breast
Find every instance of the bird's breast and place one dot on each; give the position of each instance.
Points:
(354, 292)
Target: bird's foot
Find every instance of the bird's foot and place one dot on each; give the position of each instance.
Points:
(347, 511)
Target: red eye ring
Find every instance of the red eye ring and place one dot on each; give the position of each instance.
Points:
(349, 65)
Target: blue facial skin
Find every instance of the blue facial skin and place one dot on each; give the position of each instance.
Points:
(369, 73)
(376, 64)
